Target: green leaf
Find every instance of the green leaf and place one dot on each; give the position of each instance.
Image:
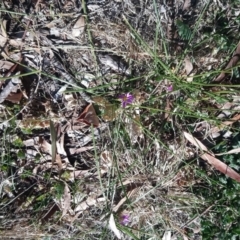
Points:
(18, 142)
(183, 30)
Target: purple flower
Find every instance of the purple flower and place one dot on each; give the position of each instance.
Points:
(169, 88)
(126, 99)
(125, 219)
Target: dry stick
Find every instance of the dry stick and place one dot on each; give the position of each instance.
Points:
(19, 195)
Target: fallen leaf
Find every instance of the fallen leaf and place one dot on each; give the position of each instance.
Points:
(66, 200)
(6, 65)
(14, 97)
(3, 24)
(195, 142)
(45, 146)
(79, 150)
(188, 66)
(7, 187)
(59, 162)
(12, 86)
(233, 62)
(60, 146)
(190, 77)
(89, 116)
(78, 27)
(113, 227)
(113, 63)
(16, 43)
(186, 5)
(31, 142)
(3, 39)
(167, 235)
(236, 150)
(88, 203)
(185, 237)
(134, 128)
(220, 166)
(60, 143)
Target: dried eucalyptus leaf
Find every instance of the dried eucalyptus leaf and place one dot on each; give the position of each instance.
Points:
(78, 28)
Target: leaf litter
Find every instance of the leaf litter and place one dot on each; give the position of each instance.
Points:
(67, 136)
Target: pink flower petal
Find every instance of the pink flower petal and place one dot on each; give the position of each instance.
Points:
(170, 88)
(125, 219)
(126, 99)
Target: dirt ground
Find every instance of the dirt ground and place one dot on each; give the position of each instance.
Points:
(68, 61)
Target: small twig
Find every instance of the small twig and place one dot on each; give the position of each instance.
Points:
(18, 196)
